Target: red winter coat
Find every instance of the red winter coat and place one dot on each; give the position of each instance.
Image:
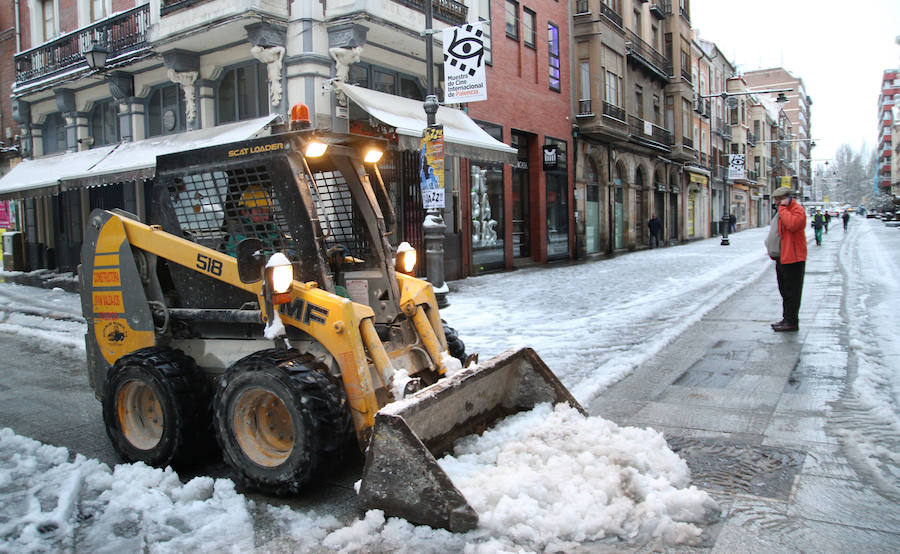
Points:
(792, 228)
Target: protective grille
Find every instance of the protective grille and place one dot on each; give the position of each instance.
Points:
(334, 205)
(218, 209)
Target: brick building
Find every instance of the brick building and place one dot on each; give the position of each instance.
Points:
(887, 99)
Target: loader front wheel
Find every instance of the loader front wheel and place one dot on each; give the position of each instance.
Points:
(154, 407)
(279, 420)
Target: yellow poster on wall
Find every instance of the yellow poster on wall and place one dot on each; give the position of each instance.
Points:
(786, 181)
(431, 167)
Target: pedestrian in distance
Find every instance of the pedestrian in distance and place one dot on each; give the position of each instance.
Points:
(827, 220)
(846, 217)
(818, 224)
(732, 223)
(790, 262)
(655, 226)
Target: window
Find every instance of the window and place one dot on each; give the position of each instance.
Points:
(613, 77)
(528, 32)
(584, 81)
(639, 101)
(104, 121)
(654, 32)
(512, 19)
(53, 134)
(165, 111)
(553, 46)
(484, 14)
(98, 9)
(637, 22)
(670, 114)
(685, 118)
(386, 81)
(242, 93)
(657, 111)
(48, 19)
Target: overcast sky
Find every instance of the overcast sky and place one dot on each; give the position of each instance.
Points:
(839, 49)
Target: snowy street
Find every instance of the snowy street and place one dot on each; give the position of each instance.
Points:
(626, 335)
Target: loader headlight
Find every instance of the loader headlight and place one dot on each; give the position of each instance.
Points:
(281, 273)
(406, 258)
(373, 155)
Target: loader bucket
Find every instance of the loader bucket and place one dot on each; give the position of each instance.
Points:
(401, 474)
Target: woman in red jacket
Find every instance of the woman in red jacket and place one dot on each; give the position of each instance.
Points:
(791, 264)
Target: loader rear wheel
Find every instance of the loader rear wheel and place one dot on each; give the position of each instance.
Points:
(155, 407)
(280, 420)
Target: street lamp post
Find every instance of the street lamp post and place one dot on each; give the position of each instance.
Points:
(433, 227)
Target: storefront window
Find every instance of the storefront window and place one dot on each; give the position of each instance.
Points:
(592, 209)
(487, 216)
(557, 199)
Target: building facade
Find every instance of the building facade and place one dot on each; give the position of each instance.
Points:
(177, 66)
(798, 111)
(633, 100)
(887, 99)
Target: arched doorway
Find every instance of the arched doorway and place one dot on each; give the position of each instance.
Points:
(674, 189)
(591, 207)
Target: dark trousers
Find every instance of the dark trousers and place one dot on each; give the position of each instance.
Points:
(790, 285)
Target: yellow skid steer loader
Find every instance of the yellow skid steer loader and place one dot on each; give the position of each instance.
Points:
(262, 305)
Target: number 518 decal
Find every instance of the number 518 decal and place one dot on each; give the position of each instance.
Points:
(209, 265)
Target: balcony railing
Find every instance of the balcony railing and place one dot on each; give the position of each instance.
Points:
(722, 129)
(687, 142)
(657, 10)
(686, 73)
(584, 108)
(646, 54)
(751, 139)
(704, 159)
(614, 111)
(610, 14)
(638, 129)
(448, 11)
(121, 34)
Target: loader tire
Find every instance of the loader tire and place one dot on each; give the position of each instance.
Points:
(156, 408)
(280, 420)
(455, 344)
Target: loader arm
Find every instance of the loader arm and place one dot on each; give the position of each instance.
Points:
(334, 321)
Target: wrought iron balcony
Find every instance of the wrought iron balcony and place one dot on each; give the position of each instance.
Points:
(704, 160)
(610, 14)
(614, 111)
(751, 139)
(123, 34)
(687, 142)
(640, 51)
(584, 108)
(657, 137)
(448, 11)
(657, 10)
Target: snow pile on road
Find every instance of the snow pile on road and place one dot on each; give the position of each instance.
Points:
(546, 479)
(52, 503)
(552, 474)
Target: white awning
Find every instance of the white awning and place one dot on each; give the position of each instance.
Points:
(462, 136)
(115, 163)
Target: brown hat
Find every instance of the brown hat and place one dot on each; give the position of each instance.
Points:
(782, 191)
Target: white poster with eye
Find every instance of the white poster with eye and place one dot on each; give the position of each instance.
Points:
(464, 73)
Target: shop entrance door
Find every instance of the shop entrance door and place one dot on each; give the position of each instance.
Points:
(521, 209)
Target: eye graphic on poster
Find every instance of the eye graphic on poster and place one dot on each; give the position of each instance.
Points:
(464, 75)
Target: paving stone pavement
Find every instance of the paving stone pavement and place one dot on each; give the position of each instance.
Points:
(757, 416)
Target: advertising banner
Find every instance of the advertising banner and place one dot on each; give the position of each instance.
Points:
(736, 168)
(464, 64)
(431, 167)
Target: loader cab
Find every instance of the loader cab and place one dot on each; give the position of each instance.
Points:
(321, 211)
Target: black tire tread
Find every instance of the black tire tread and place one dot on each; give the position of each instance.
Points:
(191, 394)
(325, 401)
